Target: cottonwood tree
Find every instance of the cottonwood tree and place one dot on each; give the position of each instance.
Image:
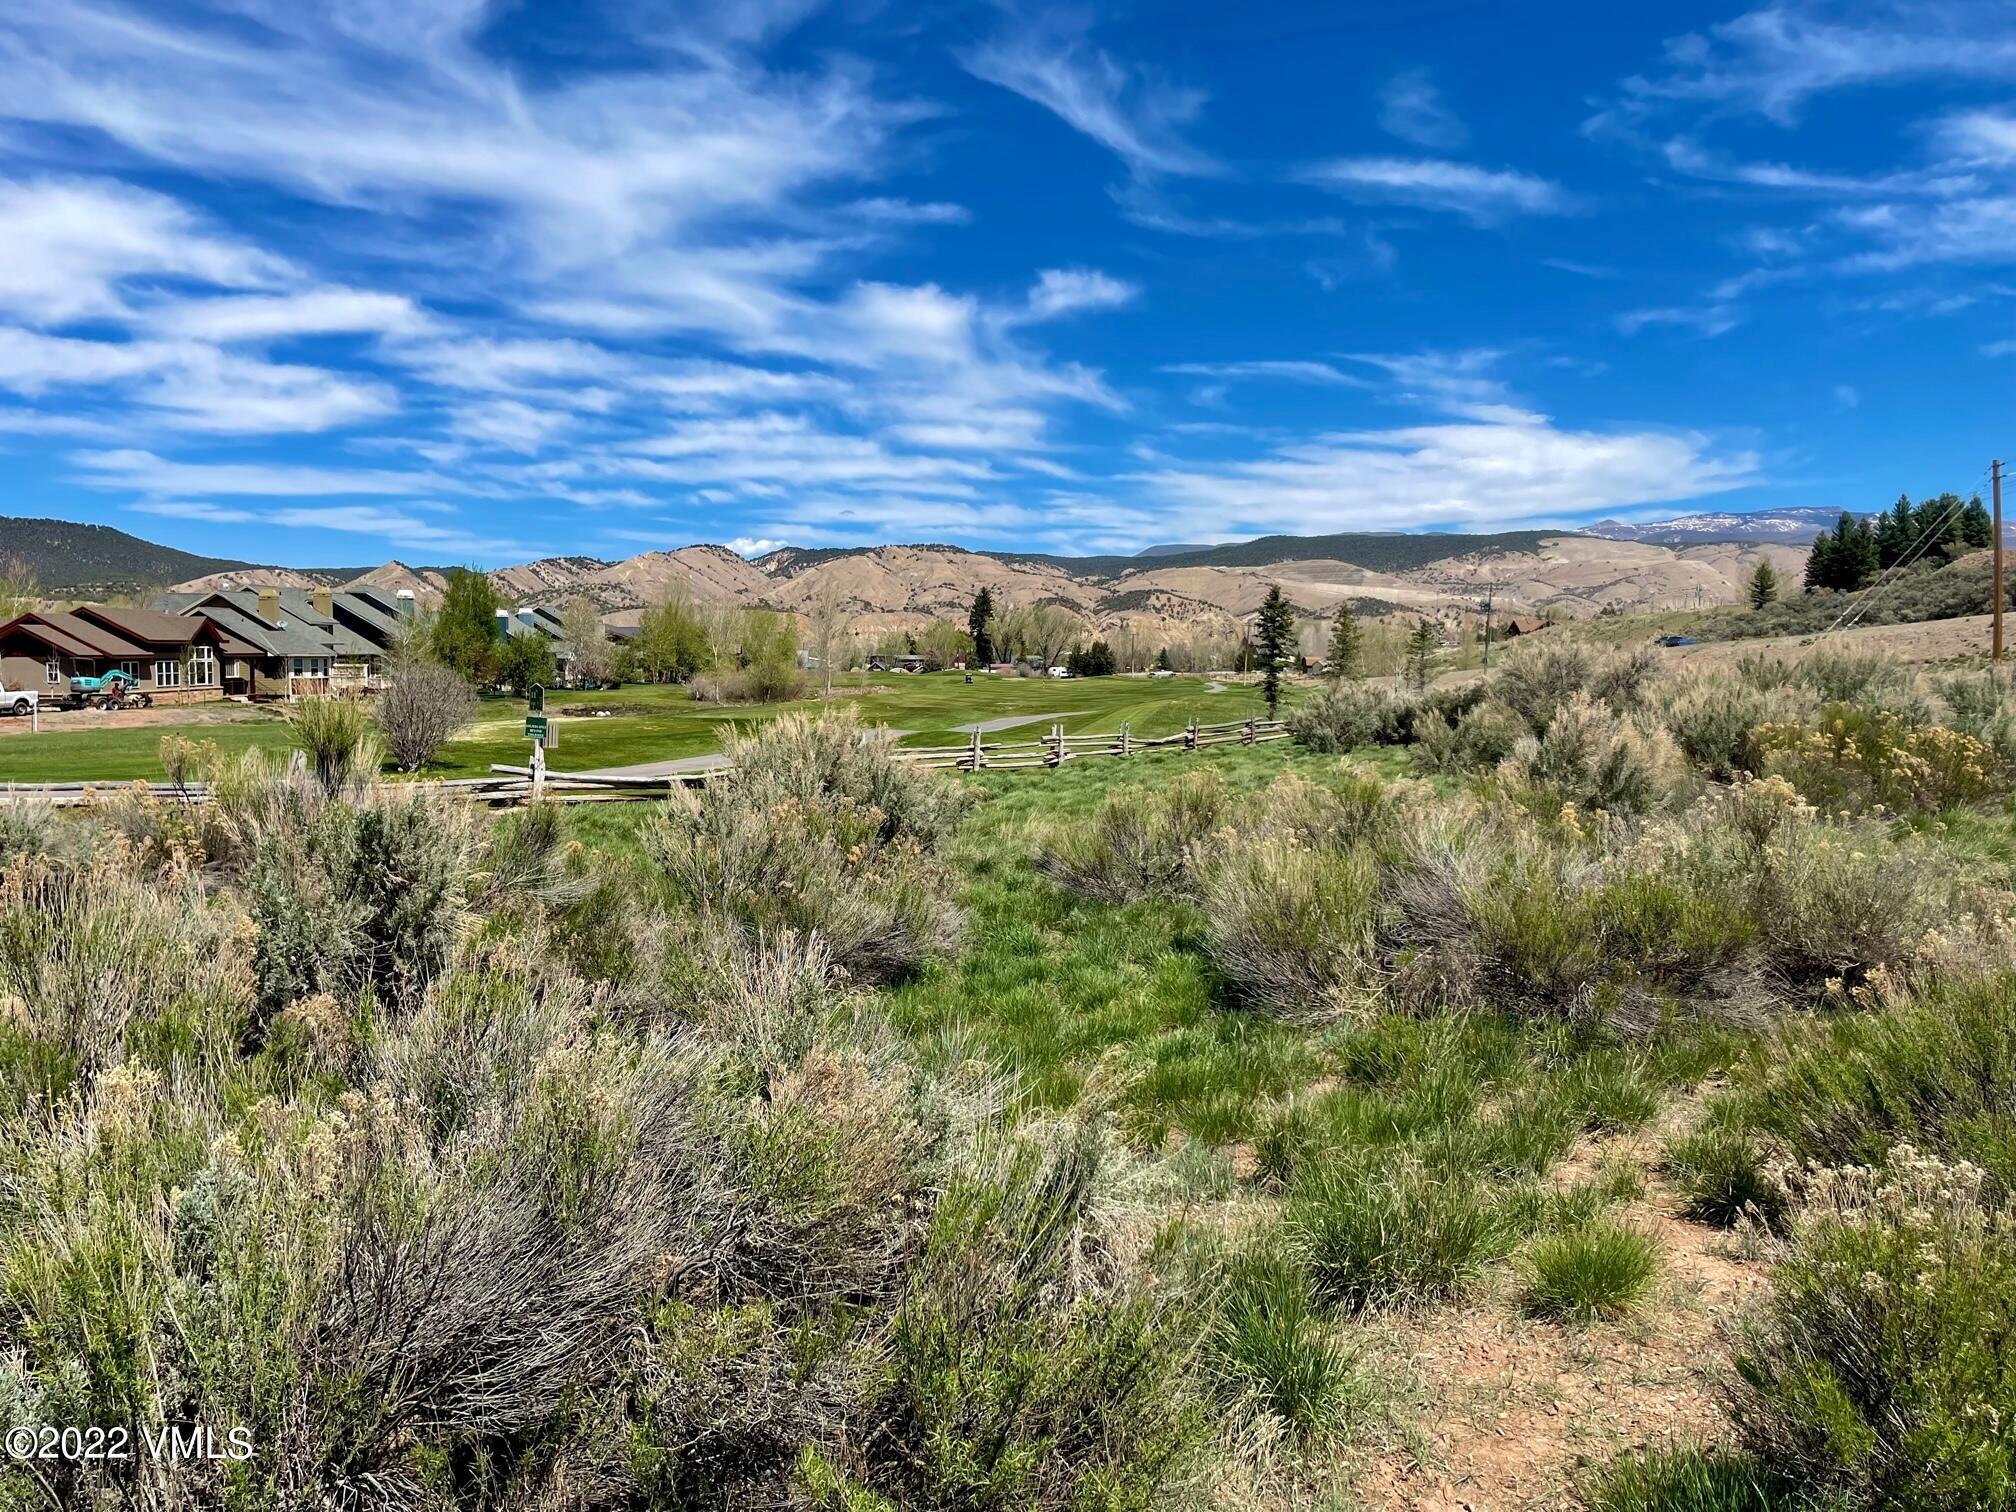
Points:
(671, 643)
(589, 654)
(831, 620)
(19, 590)
(465, 627)
(1273, 644)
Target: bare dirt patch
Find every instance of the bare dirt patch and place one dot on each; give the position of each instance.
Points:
(58, 720)
(1494, 1411)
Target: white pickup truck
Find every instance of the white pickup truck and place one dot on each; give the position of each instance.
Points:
(18, 700)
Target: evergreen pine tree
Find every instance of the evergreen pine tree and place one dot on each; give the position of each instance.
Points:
(1162, 663)
(1347, 644)
(980, 625)
(1421, 648)
(1274, 643)
(1763, 585)
(1977, 527)
(1820, 562)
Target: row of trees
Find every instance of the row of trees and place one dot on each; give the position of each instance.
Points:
(1941, 528)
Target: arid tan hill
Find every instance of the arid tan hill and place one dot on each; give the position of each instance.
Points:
(252, 577)
(704, 572)
(547, 580)
(907, 587)
(426, 584)
(935, 582)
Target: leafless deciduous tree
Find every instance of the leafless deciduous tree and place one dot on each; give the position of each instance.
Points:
(590, 657)
(832, 618)
(423, 706)
(19, 591)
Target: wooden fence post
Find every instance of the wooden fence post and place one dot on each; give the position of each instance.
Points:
(1053, 746)
(1126, 738)
(977, 757)
(1190, 736)
(1246, 735)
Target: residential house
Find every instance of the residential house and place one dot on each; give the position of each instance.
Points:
(300, 642)
(1520, 625)
(171, 658)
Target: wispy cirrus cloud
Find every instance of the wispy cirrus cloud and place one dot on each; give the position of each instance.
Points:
(1485, 196)
(1412, 108)
(1139, 116)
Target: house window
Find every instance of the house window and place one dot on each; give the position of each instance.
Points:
(131, 669)
(203, 667)
(53, 670)
(167, 673)
(311, 666)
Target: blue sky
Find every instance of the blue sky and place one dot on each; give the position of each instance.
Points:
(471, 280)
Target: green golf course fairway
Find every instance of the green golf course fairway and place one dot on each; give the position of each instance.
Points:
(663, 723)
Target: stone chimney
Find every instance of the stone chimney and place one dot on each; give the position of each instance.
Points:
(405, 597)
(269, 605)
(324, 602)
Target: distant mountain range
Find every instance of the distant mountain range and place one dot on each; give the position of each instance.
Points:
(1793, 526)
(1167, 593)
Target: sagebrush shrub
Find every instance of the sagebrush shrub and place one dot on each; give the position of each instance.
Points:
(1290, 925)
(342, 745)
(1141, 843)
(817, 831)
(1856, 759)
(1937, 1072)
(1878, 1369)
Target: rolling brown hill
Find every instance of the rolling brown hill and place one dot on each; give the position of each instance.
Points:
(1208, 591)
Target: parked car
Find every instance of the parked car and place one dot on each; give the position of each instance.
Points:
(18, 700)
(1060, 671)
(1678, 640)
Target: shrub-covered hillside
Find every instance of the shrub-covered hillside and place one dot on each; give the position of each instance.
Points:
(1265, 1128)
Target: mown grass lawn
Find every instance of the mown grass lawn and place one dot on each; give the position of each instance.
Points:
(647, 724)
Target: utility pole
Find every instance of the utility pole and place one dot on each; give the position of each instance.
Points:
(1996, 470)
(1490, 590)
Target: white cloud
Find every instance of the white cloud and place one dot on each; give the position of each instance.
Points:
(73, 245)
(1483, 195)
(1411, 108)
(1517, 466)
(145, 472)
(193, 386)
(404, 530)
(1979, 230)
(1773, 60)
(745, 546)
(1705, 320)
(272, 317)
(1132, 113)
(510, 424)
(1066, 291)
(1285, 371)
